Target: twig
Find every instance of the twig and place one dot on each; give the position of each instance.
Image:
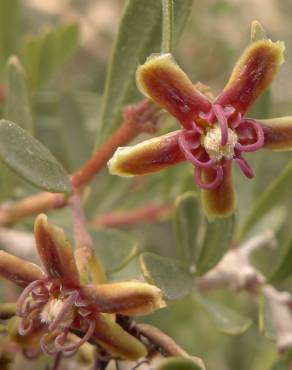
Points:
(149, 212)
(87, 260)
(138, 118)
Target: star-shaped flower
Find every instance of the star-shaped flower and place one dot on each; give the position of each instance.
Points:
(214, 133)
(54, 301)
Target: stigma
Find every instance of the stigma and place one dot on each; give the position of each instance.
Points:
(52, 311)
(212, 142)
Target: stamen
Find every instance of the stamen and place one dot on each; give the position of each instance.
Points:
(186, 148)
(21, 307)
(244, 166)
(66, 306)
(45, 348)
(221, 117)
(212, 185)
(25, 326)
(258, 133)
(60, 340)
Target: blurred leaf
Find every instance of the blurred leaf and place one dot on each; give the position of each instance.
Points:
(139, 35)
(263, 106)
(225, 319)
(284, 268)
(186, 223)
(171, 277)
(276, 192)
(17, 104)
(73, 131)
(217, 240)
(178, 363)
(31, 160)
(280, 365)
(115, 248)
(46, 53)
(266, 326)
(9, 28)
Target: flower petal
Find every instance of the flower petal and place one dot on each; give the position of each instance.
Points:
(146, 157)
(277, 133)
(219, 202)
(19, 271)
(252, 74)
(56, 252)
(125, 298)
(116, 340)
(162, 80)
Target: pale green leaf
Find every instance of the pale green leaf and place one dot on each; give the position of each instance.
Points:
(115, 248)
(224, 318)
(276, 192)
(186, 222)
(17, 105)
(216, 242)
(178, 363)
(139, 36)
(284, 268)
(265, 320)
(31, 160)
(169, 275)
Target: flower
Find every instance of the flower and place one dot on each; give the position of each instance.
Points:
(54, 301)
(214, 133)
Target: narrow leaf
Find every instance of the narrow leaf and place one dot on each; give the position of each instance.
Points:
(225, 319)
(17, 105)
(139, 35)
(114, 248)
(172, 278)
(186, 223)
(265, 320)
(217, 240)
(178, 363)
(31, 160)
(276, 192)
(284, 268)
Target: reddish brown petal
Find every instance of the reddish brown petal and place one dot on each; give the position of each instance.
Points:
(117, 341)
(146, 157)
(162, 80)
(19, 271)
(219, 202)
(252, 74)
(56, 252)
(277, 133)
(126, 298)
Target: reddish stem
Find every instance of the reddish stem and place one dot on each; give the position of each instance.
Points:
(138, 118)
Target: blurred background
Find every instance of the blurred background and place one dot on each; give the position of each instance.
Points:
(66, 111)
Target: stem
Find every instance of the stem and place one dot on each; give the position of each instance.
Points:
(57, 361)
(149, 212)
(86, 259)
(167, 26)
(138, 118)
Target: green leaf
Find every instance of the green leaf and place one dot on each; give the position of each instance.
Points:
(276, 192)
(17, 104)
(31, 160)
(186, 223)
(284, 268)
(9, 28)
(225, 319)
(46, 53)
(217, 240)
(178, 363)
(139, 36)
(114, 248)
(171, 277)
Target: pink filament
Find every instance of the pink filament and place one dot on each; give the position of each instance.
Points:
(259, 136)
(244, 166)
(22, 307)
(187, 147)
(60, 340)
(212, 185)
(222, 119)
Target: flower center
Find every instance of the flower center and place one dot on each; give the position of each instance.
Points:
(212, 143)
(52, 310)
